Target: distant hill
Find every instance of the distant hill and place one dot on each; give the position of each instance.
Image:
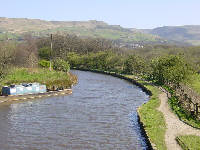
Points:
(189, 34)
(14, 28)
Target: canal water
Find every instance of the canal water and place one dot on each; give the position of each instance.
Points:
(99, 115)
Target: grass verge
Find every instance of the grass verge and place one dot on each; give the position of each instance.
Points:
(189, 142)
(152, 119)
(43, 76)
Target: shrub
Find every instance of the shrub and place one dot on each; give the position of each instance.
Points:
(44, 53)
(134, 65)
(44, 63)
(61, 65)
(170, 69)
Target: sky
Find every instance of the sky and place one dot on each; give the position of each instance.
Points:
(127, 13)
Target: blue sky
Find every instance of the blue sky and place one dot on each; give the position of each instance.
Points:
(127, 13)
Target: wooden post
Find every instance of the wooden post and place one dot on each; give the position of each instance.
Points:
(50, 68)
(193, 108)
(189, 104)
(196, 108)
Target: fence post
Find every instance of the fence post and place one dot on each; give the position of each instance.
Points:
(196, 108)
(193, 109)
(189, 104)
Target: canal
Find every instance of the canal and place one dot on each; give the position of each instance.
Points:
(99, 115)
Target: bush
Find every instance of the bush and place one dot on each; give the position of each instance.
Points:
(44, 53)
(61, 65)
(44, 63)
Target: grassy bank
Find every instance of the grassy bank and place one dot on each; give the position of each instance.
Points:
(44, 76)
(189, 142)
(152, 119)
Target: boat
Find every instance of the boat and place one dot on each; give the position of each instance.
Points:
(24, 89)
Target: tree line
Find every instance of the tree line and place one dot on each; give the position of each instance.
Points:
(159, 63)
(163, 64)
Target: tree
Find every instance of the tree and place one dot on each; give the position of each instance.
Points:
(172, 69)
(73, 59)
(61, 65)
(7, 56)
(31, 49)
(134, 65)
(44, 53)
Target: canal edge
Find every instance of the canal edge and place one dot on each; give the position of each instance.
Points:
(34, 96)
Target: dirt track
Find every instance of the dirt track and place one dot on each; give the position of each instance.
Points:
(175, 127)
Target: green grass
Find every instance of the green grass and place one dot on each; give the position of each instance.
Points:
(190, 142)
(195, 83)
(43, 76)
(152, 119)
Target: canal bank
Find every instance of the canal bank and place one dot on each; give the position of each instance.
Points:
(152, 122)
(14, 98)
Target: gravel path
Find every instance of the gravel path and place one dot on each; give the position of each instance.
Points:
(175, 127)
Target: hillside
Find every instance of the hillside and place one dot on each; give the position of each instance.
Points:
(189, 34)
(14, 28)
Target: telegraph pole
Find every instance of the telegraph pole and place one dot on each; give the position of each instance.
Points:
(51, 52)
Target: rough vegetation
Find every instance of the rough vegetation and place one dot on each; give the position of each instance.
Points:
(189, 142)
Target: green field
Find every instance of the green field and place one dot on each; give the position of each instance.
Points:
(107, 33)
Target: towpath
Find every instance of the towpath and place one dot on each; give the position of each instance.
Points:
(175, 127)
